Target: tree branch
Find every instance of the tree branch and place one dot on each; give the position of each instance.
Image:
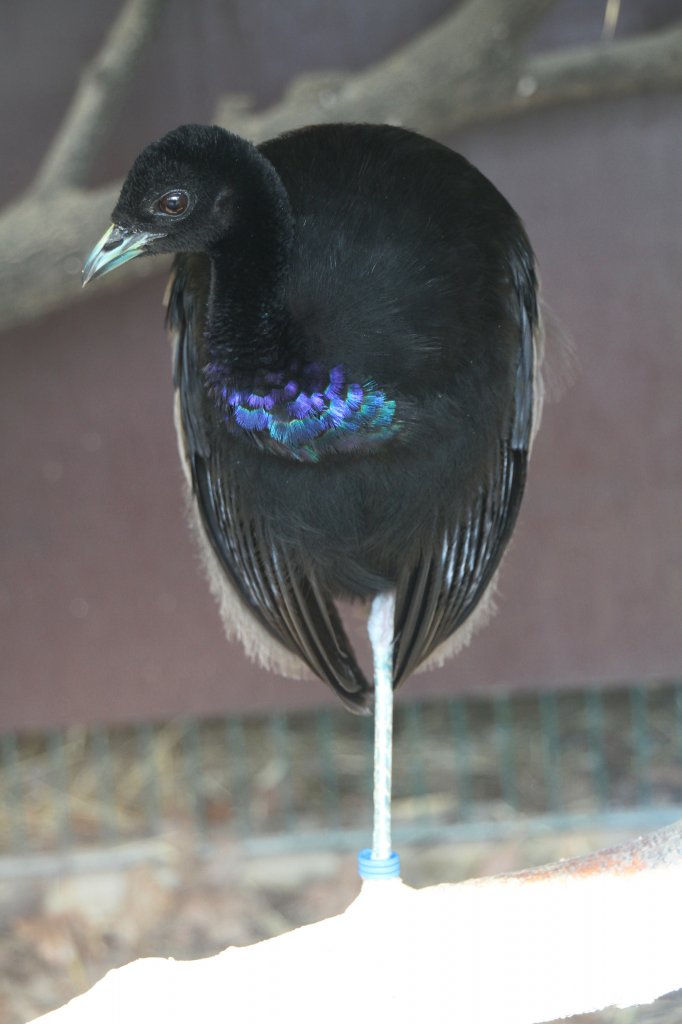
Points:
(570, 938)
(500, 82)
(628, 67)
(466, 69)
(413, 86)
(102, 89)
(45, 239)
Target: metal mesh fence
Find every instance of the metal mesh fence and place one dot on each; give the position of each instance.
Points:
(477, 767)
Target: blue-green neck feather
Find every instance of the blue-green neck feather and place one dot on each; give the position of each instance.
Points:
(307, 412)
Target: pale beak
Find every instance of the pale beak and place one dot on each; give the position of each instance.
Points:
(116, 247)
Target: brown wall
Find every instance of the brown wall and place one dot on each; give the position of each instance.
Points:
(103, 611)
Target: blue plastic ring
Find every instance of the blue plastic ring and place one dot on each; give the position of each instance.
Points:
(370, 867)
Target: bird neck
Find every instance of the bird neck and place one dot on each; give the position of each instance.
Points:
(247, 327)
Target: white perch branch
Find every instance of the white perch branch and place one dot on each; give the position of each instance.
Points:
(525, 948)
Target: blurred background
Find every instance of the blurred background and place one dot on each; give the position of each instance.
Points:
(124, 712)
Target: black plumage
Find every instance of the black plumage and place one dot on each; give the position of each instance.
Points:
(355, 322)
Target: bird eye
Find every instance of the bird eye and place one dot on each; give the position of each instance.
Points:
(173, 203)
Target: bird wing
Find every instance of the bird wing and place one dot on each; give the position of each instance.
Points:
(287, 604)
(435, 596)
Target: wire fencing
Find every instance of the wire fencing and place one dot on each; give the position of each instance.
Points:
(464, 768)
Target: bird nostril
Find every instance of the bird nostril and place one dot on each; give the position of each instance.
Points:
(113, 243)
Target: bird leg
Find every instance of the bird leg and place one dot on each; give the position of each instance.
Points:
(380, 628)
(381, 862)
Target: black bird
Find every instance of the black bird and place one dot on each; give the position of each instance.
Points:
(356, 332)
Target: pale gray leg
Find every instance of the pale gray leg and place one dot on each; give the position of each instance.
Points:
(380, 629)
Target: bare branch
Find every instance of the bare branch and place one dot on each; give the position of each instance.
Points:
(413, 86)
(101, 91)
(44, 241)
(615, 69)
(466, 69)
(628, 67)
(499, 83)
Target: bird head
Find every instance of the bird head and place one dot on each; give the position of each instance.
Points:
(179, 196)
